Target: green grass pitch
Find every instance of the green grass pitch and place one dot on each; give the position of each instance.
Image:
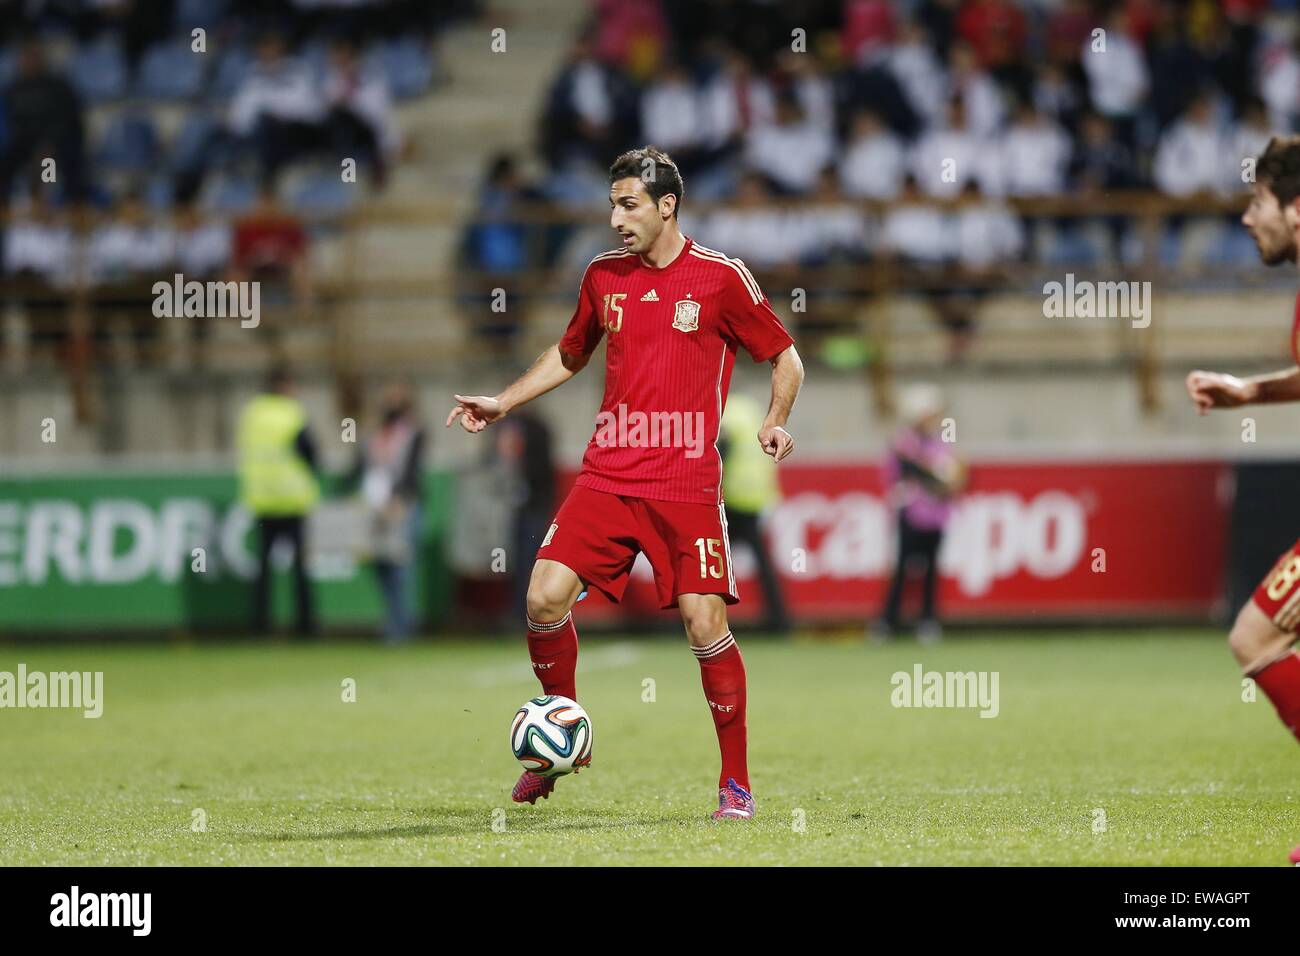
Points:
(1148, 728)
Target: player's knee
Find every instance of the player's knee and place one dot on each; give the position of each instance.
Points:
(544, 604)
(1247, 641)
(705, 623)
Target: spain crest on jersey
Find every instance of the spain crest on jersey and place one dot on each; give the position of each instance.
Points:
(686, 315)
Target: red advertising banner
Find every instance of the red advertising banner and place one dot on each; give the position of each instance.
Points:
(1028, 539)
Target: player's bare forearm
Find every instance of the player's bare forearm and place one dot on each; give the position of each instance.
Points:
(787, 379)
(552, 368)
(1281, 386)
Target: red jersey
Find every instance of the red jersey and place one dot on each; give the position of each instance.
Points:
(673, 334)
(1295, 331)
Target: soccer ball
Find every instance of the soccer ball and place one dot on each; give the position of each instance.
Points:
(551, 736)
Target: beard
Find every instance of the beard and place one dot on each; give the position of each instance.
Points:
(1279, 255)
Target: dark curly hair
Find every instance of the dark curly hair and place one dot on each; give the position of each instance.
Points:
(653, 167)
(1278, 168)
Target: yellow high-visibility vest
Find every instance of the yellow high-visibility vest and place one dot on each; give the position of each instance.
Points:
(274, 480)
(749, 480)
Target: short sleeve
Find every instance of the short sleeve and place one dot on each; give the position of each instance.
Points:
(585, 328)
(749, 318)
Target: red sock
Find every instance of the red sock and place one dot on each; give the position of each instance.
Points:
(554, 650)
(722, 673)
(1281, 681)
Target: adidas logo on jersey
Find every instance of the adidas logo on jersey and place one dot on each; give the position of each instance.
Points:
(651, 296)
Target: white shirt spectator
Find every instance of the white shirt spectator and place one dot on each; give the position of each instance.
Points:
(43, 248)
(1245, 141)
(672, 114)
(590, 97)
(921, 233)
(873, 166)
(919, 73)
(120, 250)
(966, 156)
(368, 99)
(203, 250)
(985, 110)
(1279, 85)
(285, 90)
(1189, 158)
(1035, 156)
(986, 233)
(820, 231)
(791, 154)
(758, 236)
(1117, 78)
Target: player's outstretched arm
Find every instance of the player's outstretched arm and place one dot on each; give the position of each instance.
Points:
(552, 368)
(1218, 390)
(787, 378)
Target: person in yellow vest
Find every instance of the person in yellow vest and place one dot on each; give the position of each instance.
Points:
(749, 488)
(278, 484)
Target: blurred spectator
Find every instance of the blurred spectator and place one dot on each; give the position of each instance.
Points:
(874, 161)
(389, 468)
(1035, 155)
(588, 111)
(1247, 140)
(42, 119)
(914, 231)
(361, 118)
(827, 228)
(985, 110)
(278, 486)
(919, 72)
(750, 490)
(269, 244)
(202, 246)
(524, 446)
(924, 476)
(1190, 157)
(279, 108)
(129, 244)
(630, 33)
(947, 157)
(750, 227)
(996, 31)
(1101, 162)
(792, 151)
(1118, 80)
(40, 256)
(498, 251)
(1279, 82)
(869, 30)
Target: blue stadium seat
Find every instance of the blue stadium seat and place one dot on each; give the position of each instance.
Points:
(159, 192)
(199, 13)
(230, 193)
(192, 144)
(233, 65)
(98, 71)
(322, 192)
(171, 71)
(405, 63)
(130, 143)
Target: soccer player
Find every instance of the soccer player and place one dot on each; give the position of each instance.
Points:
(673, 314)
(1264, 633)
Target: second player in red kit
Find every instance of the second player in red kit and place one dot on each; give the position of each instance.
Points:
(673, 315)
(1264, 633)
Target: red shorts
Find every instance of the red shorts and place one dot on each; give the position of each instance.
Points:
(1278, 595)
(598, 535)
